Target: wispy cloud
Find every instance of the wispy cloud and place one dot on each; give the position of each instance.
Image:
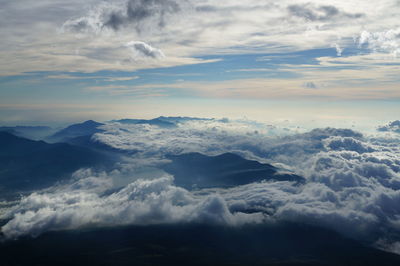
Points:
(182, 29)
(105, 78)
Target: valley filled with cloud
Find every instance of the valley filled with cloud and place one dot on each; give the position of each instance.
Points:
(352, 181)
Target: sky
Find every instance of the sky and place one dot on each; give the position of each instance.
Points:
(311, 62)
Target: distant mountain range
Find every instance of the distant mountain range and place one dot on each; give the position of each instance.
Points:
(49, 134)
(27, 164)
(89, 127)
(155, 122)
(31, 132)
(162, 121)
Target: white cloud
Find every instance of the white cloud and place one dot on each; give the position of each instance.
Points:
(393, 126)
(353, 182)
(339, 50)
(184, 28)
(154, 201)
(382, 41)
(143, 50)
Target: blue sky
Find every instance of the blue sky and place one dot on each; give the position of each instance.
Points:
(298, 61)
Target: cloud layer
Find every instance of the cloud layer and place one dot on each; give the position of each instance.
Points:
(121, 14)
(185, 29)
(353, 183)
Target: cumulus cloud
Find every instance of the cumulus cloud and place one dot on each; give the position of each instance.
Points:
(144, 50)
(347, 172)
(348, 144)
(352, 182)
(339, 50)
(154, 201)
(382, 41)
(393, 126)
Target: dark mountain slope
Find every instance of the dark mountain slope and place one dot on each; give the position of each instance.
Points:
(76, 130)
(30, 132)
(155, 122)
(27, 164)
(280, 244)
(195, 170)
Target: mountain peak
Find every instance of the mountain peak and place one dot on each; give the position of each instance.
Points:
(91, 122)
(88, 127)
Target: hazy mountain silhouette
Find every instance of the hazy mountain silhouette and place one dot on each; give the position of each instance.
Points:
(161, 121)
(155, 122)
(30, 132)
(26, 164)
(195, 170)
(76, 130)
(88, 142)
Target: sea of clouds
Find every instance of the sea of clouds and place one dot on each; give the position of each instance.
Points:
(352, 187)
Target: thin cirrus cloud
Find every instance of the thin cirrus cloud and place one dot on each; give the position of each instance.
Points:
(120, 37)
(264, 88)
(210, 27)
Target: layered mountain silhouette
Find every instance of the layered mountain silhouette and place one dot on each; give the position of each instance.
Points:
(195, 170)
(162, 121)
(27, 164)
(89, 127)
(88, 142)
(155, 122)
(30, 132)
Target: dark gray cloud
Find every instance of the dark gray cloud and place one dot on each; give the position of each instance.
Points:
(139, 10)
(206, 8)
(319, 13)
(132, 13)
(310, 85)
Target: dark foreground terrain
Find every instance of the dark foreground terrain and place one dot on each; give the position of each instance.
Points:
(287, 244)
